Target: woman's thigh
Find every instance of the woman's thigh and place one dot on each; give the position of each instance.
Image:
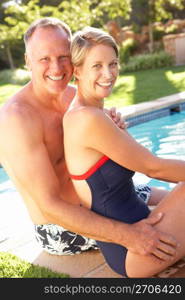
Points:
(156, 196)
(173, 223)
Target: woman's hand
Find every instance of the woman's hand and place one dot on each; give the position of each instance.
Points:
(116, 117)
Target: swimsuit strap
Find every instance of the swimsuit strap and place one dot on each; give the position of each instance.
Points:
(92, 170)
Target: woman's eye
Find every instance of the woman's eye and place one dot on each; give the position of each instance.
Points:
(97, 66)
(114, 64)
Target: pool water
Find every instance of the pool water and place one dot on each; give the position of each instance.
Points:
(165, 137)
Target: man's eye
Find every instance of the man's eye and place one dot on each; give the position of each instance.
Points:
(44, 59)
(64, 58)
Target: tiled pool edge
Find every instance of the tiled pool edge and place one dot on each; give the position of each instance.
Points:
(150, 110)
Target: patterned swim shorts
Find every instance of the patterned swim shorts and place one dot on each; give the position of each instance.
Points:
(57, 240)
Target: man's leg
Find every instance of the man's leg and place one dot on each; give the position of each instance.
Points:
(57, 240)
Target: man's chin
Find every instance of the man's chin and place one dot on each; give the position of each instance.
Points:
(55, 91)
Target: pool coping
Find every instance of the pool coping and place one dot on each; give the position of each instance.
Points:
(146, 111)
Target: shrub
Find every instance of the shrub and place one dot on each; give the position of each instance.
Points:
(17, 76)
(126, 49)
(172, 29)
(148, 61)
(158, 32)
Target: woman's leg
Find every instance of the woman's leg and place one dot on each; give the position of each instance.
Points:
(156, 196)
(173, 222)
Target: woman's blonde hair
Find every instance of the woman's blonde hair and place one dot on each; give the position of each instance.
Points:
(84, 40)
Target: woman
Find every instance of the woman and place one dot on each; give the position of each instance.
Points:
(104, 159)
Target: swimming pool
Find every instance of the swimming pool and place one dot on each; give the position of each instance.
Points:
(165, 137)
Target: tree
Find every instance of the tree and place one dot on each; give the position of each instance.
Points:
(17, 19)
(75, 13)
(159, 10)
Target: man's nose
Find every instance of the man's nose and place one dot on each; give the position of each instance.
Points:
(55, 66)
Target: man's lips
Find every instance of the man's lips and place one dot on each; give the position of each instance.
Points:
(56, 78)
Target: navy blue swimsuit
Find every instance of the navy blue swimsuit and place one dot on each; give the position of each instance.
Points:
(114, 196)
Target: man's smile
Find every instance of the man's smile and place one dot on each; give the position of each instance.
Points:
(55, 78)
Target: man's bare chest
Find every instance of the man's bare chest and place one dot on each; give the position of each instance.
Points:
(53, 139)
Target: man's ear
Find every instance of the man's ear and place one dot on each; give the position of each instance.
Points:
(27, 61)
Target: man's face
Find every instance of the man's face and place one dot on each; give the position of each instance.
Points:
(48, 58)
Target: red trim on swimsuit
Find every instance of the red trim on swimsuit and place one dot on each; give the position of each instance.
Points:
(92, 170)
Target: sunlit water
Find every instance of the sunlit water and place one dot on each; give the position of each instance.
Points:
(165, 137)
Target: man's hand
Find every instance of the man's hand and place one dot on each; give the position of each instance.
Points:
(147, 240)
(116, 117)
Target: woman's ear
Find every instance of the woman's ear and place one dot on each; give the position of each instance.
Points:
(76, 72)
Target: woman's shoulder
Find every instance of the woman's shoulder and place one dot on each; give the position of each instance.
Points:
(82, 119)
(82, 113)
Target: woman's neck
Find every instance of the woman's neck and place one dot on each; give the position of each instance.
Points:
(87, 100)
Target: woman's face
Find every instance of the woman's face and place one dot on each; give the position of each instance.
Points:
(97, 76)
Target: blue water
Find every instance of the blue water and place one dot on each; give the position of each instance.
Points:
(165, 137)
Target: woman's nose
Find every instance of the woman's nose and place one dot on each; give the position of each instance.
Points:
(107, 73)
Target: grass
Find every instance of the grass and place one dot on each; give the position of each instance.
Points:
(141, 86)
(130, 88)
(7, 90)
(13, 267)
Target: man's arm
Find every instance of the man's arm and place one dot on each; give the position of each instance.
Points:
(26, 160)
(24, 156)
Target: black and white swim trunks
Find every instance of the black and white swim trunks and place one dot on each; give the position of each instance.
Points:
(57, 240)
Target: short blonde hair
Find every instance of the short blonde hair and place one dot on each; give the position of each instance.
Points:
(44, 23)
(84, 40)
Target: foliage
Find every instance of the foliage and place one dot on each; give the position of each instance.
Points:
(126, 49)
(77, 14)
(157, 10)
(13, 267)
(17, 76)
(148, 61)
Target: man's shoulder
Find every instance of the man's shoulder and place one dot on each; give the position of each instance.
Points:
(18, 114)
(16, 110)
(17, 106)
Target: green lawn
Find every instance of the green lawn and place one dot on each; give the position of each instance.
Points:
(147, 85)
(7, 90)
(12, 266)
(131, 88)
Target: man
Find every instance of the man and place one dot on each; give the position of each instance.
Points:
(32, 154)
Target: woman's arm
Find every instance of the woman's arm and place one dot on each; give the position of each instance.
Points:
(100, 133)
